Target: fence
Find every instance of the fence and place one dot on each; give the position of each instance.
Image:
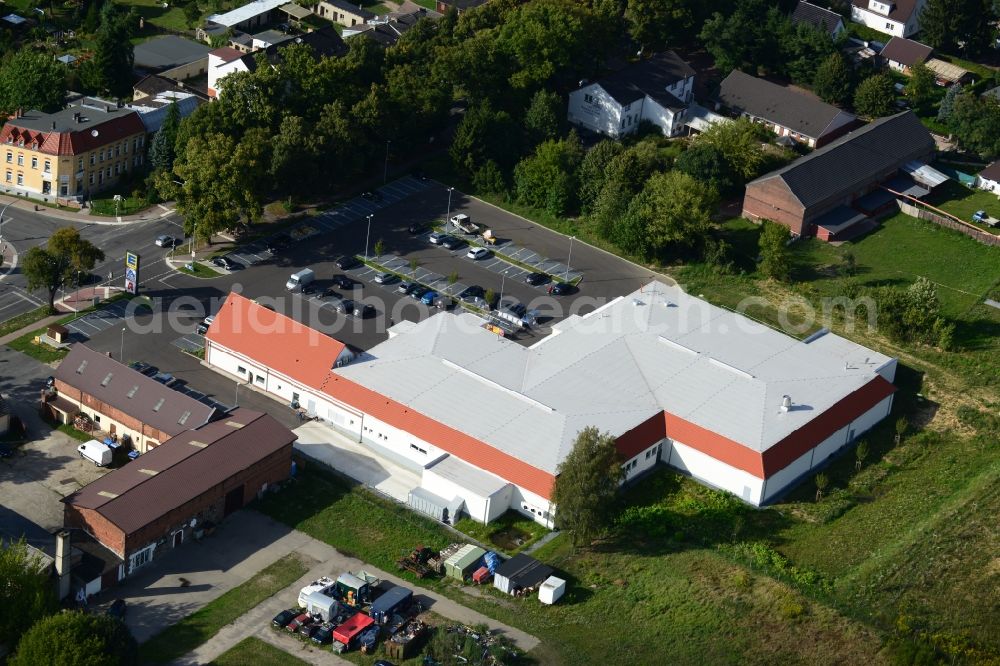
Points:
(983, 237)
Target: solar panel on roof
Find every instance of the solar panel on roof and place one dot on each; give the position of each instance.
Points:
(132, 391)
(159, 403)
(79, 370)
(107, 378)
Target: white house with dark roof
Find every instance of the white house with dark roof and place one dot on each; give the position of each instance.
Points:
(819, 18)
(902, 54)
(658, 90)
(989, 178)
(796, 114)
(899, 18)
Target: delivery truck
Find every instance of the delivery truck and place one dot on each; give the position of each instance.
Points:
(96, 452)
(302, 279)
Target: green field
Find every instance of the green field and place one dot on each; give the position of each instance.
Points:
(963, 202)
(178, 639)
(255, 652)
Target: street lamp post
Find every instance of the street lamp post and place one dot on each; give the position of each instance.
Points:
(447, 216)
(503, 278)
(237, 394)
(368, 234)
(569, 258)
(194, 232)
(121, 350)
(385, 171)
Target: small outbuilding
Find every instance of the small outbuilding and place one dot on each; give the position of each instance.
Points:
(521, 573)
(461, 565)
(989, 178)
(551, 590)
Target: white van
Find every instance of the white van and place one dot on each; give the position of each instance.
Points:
(96, 452)
(300, 279)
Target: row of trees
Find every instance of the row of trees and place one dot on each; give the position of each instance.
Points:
(974, 120)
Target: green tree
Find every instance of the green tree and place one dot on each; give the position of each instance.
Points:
(547, 179)
(485, 134)
(657, 24)
(950, 25)
(64, 255)
(379, 247)
(72, 638)
(161, 150)
(489, 179)
(675, 209)
(31, 80)
(110, 70)
(706, 163)
(740, 142)
(939, 23)
(192, 13)
(747, 37)
(805, 49)
(976, 124)
(948, 103)
(592, 173)
(27, 594)
(295, 159)
(834, 79)
(875, 96)
(860, 454)
(775, 257)
(586, 483)
(920, 88)
(543, 119)
(822, 481)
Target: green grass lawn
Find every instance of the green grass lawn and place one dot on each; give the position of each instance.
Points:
(427, 4)
(170, 18)
(127, 206)
(199, 270)
(510, 533)
(963, 202)
(78, 435)
(255, 652)
(184, 636)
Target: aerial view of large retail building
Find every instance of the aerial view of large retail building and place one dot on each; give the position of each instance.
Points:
(735, 404)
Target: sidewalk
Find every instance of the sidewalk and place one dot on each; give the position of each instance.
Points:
(154, 212)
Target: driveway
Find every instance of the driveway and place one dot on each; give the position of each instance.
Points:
(257, 622)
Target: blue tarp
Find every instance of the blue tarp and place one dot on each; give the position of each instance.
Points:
(491, 560)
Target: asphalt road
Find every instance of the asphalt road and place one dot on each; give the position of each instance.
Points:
(25, 229)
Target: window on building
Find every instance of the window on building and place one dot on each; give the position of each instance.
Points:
(20, 178)
(118, 150)
(34, 162)
(589, 99)
(93, 158)
(141, 558)
(125, 146)
(417, 448)
(63, 189)
(91, 179)
(10, 157)
(79, 164)
(240, 369)
(100, 177)
(101, 153)
(47, 166)
(97, 418)
(20, 160)
(259, 379)
(10, 176)
(295, 397)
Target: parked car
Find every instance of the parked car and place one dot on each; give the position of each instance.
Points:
(205, 324)
(342, 281)
(347, 262)
(282, 619)
(144, 368)
(225, 262)
(323, 633)
(165, 378)
(306, 629)
(345, 306)
(372, 196)
(417, 291)
(561, 289)
(165, 241)
(417, 228)
(428, 297)
(330, 292)
(364, 310)
(278, 242)
(513, 306)
(436, 237)
(117, 609)
(404, 287)
(385, 278)
(477, 253)
(298, 621)
(452, 243)
(469, 294)
(535, 279)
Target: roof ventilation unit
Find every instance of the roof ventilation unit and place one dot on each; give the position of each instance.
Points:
(786, 403)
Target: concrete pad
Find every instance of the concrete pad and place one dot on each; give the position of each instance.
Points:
(323, 444)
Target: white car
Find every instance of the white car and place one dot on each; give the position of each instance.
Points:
(165, 241)
(384, 278)
(436, 237)
(477, 253)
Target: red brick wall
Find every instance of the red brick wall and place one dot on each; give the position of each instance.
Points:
(771, 200)
(272, 469)
(93, 523)
(90, 403)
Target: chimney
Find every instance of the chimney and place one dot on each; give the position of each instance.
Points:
(786, 403)
(53, 124)
(63, 552)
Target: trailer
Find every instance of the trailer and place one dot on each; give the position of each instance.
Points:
(390, 602)
(324, 585)
(317, 603)
(346, 633)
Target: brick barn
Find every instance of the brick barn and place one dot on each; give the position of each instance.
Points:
(835, 191)
(187, 484)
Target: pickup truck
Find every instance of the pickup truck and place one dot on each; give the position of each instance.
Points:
(464, 224)
(981, 217)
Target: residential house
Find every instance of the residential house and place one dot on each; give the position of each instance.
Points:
(786, 111)
(899, 18)
(386, 30)
(658, 90)
(154, 85)
(736, 404)
(186, 485)
(70, 155)
(246, 18)
(137, 410)
(819, 17)
(171, 57)
(989, 178)
(833, 192)
(901, 54)
(345, 13)
(323, 43)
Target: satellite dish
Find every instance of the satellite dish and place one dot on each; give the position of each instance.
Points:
(194, 521)
(94, 132)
